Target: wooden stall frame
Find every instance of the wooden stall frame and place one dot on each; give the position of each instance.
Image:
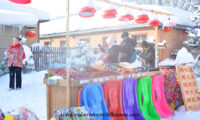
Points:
(76, 84)
(71, 86)
(68, 40)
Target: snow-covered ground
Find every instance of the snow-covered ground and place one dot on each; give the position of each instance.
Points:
(181, 114)
(33, 97)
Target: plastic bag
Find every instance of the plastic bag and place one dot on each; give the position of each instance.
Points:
(26, 114)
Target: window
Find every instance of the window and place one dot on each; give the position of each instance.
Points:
(62, 43)
(47, 44)
(139, 37)
(86, 40)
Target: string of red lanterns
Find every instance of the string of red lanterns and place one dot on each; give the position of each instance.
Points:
(154, 23)
(126, 17)
(141, 19)
(110, 13)
(87, 12)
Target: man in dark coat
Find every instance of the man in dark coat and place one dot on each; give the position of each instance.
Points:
(148, 54)
(127, 48)
(101, 48)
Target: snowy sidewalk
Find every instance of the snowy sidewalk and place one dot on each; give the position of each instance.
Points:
(32, 95)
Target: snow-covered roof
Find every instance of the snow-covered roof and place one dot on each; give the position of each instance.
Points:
(11, 17)
(95, 30)
(97, 22)
(180, 16)
(11, 13)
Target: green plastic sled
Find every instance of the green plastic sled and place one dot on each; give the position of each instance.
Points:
(145, 99)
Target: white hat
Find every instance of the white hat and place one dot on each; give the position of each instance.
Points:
(110, 39)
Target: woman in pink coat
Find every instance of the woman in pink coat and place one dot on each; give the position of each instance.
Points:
(16, 55)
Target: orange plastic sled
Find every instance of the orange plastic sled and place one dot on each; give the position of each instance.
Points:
(79, 97)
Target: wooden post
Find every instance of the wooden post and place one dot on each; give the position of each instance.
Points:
(156, 46)
(38, 32)
(67, 51)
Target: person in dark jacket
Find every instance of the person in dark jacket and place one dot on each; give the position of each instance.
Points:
(113, 50)
(148, 54)
(127, 48)
(101, 48)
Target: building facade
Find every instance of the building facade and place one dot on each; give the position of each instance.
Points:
(174, 39)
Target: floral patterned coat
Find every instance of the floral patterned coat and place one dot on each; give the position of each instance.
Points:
(16, 55)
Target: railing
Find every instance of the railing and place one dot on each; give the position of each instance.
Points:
(44, 57)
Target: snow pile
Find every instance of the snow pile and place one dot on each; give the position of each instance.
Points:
(36, 45)
(28, 61)
(162, 43)
(184, 57)
(29, 56)
(82, 55)
(32, 95)
(23, 40)
(167, 62)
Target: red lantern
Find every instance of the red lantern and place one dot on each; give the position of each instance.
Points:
(154, 23)
(142, 19)
(30, 34)
(87, 12)
(127, 17)
(110, 13)
(168, 29)
(21, 1)
(185, 32)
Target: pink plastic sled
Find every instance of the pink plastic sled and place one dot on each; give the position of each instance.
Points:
(158, 97)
